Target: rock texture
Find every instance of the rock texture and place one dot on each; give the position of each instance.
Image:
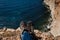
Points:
(15, 35)
(54, 6)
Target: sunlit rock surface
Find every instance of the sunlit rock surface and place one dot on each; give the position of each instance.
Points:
(15, 35)
(54, 6)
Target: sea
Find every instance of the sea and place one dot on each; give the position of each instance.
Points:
(12, 12)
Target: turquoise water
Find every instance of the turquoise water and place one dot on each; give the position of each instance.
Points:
(13, 11)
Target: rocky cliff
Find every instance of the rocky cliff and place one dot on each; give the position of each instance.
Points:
(14, 34)
(54, 6)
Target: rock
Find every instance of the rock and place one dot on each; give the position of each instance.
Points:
(12, 34)
(9, 29)
(47, 36)
(54, 6)
(57, 37)
(43, 35)
(1, 33)
(18, 29)
(37, 33)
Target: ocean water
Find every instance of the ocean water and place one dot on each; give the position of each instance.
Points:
(12, 12)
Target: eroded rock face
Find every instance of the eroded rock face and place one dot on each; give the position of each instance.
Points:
(15, 35)
(44, 35)
(55, 12)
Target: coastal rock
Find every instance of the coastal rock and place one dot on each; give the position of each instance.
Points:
(57, 37)
(54, 6)
(15, 35)
(9, 29)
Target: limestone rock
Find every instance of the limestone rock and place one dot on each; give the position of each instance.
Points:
(15, 35)
(54, 6)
